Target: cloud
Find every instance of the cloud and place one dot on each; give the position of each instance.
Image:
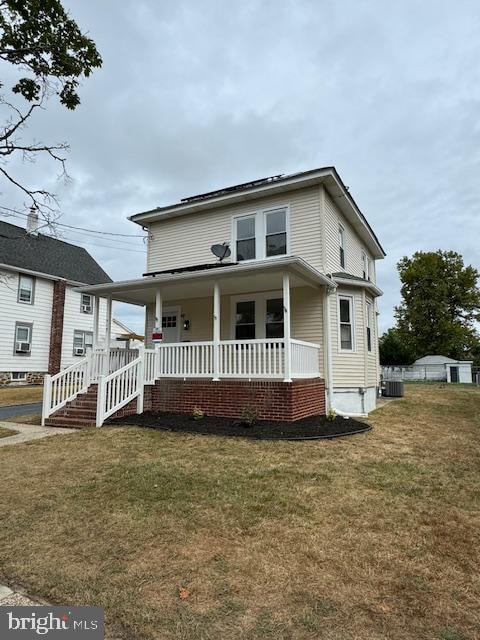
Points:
(193, 96)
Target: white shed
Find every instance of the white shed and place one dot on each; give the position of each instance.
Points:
(441, 367)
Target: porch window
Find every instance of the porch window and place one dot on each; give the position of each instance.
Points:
(245, 229)
(274, 319)
(341, 242)
(25, 289)
(346, 323)
(82, 340)
(369, 325)
(245, 320)
(276, 233)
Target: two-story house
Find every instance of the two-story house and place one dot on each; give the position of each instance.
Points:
(285, 324)
(45, 324)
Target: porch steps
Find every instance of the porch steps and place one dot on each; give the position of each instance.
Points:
(77, 414)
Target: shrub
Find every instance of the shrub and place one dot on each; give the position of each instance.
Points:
(197, 413)
(331, 415)
(249, 416)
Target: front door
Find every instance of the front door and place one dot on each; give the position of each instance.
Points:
(453, 374)
(171, 325)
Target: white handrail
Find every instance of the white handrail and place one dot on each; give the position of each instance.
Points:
(65, 386)
(119, 388)
(305, 359)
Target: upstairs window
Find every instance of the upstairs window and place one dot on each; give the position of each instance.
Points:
(368, 313)
(246, 240)
(87, 303)
(276, 233)
(341, 244)
(260, 235)
(25, 289)
(345, 304)
(245, 320)
(274, 318)
(365, 266)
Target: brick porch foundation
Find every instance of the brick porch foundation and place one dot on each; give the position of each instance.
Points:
(271, 399)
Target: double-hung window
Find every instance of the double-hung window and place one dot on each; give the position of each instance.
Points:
(341, 245)
(261, 316)
(365, 266)
(25, 289)
(245, 320)
(345, 306)
(246, 238)
(86, 303)
(23, 338)
(368, 320)
(274, 318)
(81, 340)
(260, 235)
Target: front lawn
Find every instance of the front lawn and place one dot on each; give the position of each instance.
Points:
(20, 395)
(202, 538)
(6, 433)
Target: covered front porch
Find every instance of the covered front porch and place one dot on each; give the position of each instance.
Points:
(247, 322)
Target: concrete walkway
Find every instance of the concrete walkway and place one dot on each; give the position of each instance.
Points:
(28, 432)
(13, 410)
(14, 599)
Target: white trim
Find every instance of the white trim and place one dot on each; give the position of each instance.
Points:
(260, 232)
(260, 300)
(174, 310)
(368, 324)
(351, 300)
(349, 282)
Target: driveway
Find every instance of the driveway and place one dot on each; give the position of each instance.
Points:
(19, 410)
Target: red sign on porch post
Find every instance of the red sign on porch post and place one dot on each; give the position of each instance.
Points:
(157, 335)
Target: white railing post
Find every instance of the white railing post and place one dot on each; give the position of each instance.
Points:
(286, 329)
(216, 332)
(100, 400)
(141, 378)
(47, 397)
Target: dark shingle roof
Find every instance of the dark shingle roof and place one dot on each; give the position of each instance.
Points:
(348, 276)
(48, 255)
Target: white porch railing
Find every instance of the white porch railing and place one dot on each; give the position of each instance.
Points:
(305, 359)
(185, 360)
(252, 359)
(65, 386)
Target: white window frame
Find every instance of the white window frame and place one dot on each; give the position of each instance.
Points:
(260, 216)
(369, 325)
(84, 332)
(29, 327)
(365, 266)
(82, 303)
(17, 373)
(351, 302)
(32, 290)
(260, 300)
(342, 244)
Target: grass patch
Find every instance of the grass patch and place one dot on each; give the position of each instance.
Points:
(20, 395)
(6, 433)
(369, 537)
(28, 418)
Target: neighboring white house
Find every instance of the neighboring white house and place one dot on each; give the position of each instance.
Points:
(45, 323)
(432, 368)
(288, 321)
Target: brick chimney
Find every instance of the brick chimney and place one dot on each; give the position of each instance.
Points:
(56, 327)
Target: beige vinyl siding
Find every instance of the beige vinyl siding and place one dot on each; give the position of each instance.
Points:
(74, 319)
(186, 240)
(354, 246)
(348, 367)
(38, 314)
(306, 317)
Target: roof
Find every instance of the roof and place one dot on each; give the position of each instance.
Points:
(195, 267)
(266, 186)
(47, 255)
(178, 284)
(438, 360)
(343, 277)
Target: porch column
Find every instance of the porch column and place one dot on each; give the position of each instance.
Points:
(108, 335)
(158, 324)
(216, 332)
(96, 320)
(286, 328)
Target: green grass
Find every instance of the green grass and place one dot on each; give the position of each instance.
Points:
(371, 537)
(20, 395)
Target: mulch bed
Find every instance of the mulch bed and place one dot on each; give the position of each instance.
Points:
(313, 428)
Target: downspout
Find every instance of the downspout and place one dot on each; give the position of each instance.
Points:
(328, 347)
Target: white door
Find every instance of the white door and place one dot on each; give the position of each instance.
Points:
(171, 325)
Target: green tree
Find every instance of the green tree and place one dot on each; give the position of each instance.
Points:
(440, 304)
(48, 55)
(393, 350)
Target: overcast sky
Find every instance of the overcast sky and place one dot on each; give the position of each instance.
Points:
(197, 95)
